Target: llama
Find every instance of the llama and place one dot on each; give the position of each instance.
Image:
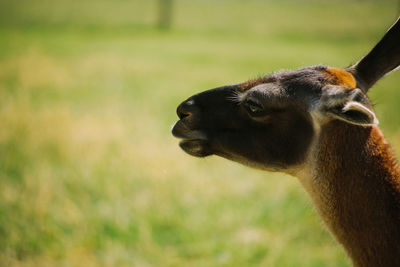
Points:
(317, 124)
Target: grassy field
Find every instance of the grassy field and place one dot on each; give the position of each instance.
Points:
(89, 172)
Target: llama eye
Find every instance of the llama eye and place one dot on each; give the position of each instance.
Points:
(253, 108)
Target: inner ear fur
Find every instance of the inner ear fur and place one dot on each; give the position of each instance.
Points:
(349, 105)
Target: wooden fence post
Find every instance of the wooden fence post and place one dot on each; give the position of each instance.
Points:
(165, 14)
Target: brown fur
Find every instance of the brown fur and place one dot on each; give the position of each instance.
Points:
(356, 188)
(251, 83)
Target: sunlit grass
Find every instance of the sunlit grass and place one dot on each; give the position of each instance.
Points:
(89, 173)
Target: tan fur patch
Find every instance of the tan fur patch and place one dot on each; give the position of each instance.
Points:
(341, 77)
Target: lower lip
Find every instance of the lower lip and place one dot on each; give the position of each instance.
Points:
(195, 147)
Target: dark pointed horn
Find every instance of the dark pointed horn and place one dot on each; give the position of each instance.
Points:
(383, 58)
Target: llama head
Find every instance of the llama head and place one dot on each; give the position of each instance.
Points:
(269, 123)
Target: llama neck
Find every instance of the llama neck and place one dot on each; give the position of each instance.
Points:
(355, 184)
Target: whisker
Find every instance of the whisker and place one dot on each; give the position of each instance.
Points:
(235, 97)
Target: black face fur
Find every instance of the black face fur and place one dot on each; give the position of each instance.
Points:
(265, 123)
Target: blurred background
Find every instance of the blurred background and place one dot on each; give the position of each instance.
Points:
(89, 172)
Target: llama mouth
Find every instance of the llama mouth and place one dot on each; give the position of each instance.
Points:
(194, 142)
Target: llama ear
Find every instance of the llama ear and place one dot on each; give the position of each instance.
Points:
(351, 106)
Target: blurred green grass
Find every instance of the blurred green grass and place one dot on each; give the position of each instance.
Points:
(89, 173)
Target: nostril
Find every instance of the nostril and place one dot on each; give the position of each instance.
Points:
(183, 114)
(186, 109)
